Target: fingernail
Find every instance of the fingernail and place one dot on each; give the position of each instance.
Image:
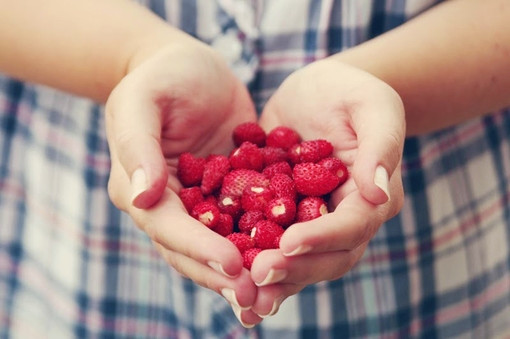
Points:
(302, 249)
(381, 180)
(237, 312)
(230, 295)
(273, 276)
(219, 268)
(276, 306)
(138, 183)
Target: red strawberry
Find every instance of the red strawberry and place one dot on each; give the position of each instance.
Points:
(215, 169)
(190, 169)
(225, 225)
(249, 256)
(281, 211)
(236, 181)
(313, 179)
(277, 167)
(283, 186)
(248, 156)
(212, 199)
(207, 213)
(230, 205)
(265, 233)
(274, 154)
(310, 208)
(256, 198)
(249, 219)
(337, 167)
(249, 131)
(310, 151)
(190, 196)
(282, 137)
(242, 241)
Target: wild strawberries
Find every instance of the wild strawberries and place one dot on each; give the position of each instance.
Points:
(215, 168)
(249, 256)
(236, 181)
(265, 234)
(249, 131)
(190, 169)
(313, 179)
(266, 184)
(207, 213)
(282, 137)
(310, 208)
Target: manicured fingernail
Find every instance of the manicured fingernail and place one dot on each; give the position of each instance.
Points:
(276, 306)
(219, 268)
(272, 277)
(302, 249)
(230, 295)
(138, 183)
(381, 180)
(237, 311)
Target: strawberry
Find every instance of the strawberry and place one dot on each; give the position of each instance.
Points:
(282, 137)
(310, 208)
(225, 225)
(249, 219)
(281, 211)
(242, 241)
(190, 196)
(337, 167)
(256, 198)
(277, 167)
(216, 167)
(310, 151)
(190, 169)
(249, 256)
(236, 181)
(283, 186)
(274, 154)
(248, 156)
(230, 205)
(249, 131)
(265, 233)
(313, 179)
(207, 213)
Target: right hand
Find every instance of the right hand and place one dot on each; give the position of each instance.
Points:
(181, 99)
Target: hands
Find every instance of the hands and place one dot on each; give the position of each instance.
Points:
(185, 99)
(364, 119)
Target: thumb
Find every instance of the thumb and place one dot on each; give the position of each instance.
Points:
(134, 134)
(380, 128)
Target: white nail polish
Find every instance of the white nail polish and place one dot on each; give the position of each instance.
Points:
(237, 312)
(381, 180)
(299, 250)
(230, 295)
(138, 183)
(218, 268)
(276, 306)
(273, 276)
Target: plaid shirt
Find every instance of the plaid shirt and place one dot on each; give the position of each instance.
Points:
(72, 265)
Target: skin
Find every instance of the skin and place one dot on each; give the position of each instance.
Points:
(442, 68)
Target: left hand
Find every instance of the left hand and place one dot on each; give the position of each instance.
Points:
(364, 120)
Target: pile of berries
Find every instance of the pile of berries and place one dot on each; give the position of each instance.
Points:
(267, 183)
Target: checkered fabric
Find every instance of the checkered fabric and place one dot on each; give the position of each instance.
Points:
(73, 266)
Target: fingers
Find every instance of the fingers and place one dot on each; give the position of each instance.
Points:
(380, 129)
(354, 221)
(133, 130)
(303, 269)
(240, 292)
